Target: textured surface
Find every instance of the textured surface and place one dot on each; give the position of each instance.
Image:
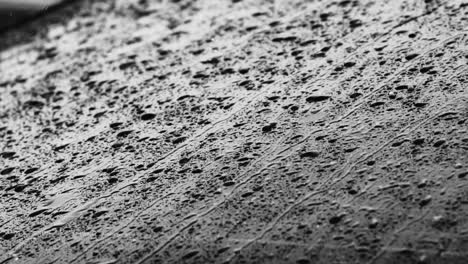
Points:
(253, 131)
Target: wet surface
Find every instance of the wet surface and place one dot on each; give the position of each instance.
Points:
(236, 132)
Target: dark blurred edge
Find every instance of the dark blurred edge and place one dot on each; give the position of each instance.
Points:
(11, 19)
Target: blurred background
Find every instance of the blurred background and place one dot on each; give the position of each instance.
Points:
(13, 12)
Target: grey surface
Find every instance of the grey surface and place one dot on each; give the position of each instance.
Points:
(236, 131)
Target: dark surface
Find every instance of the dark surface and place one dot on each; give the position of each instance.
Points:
(236, 131)
(13, 13)
(12, 17)
(21, 20)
